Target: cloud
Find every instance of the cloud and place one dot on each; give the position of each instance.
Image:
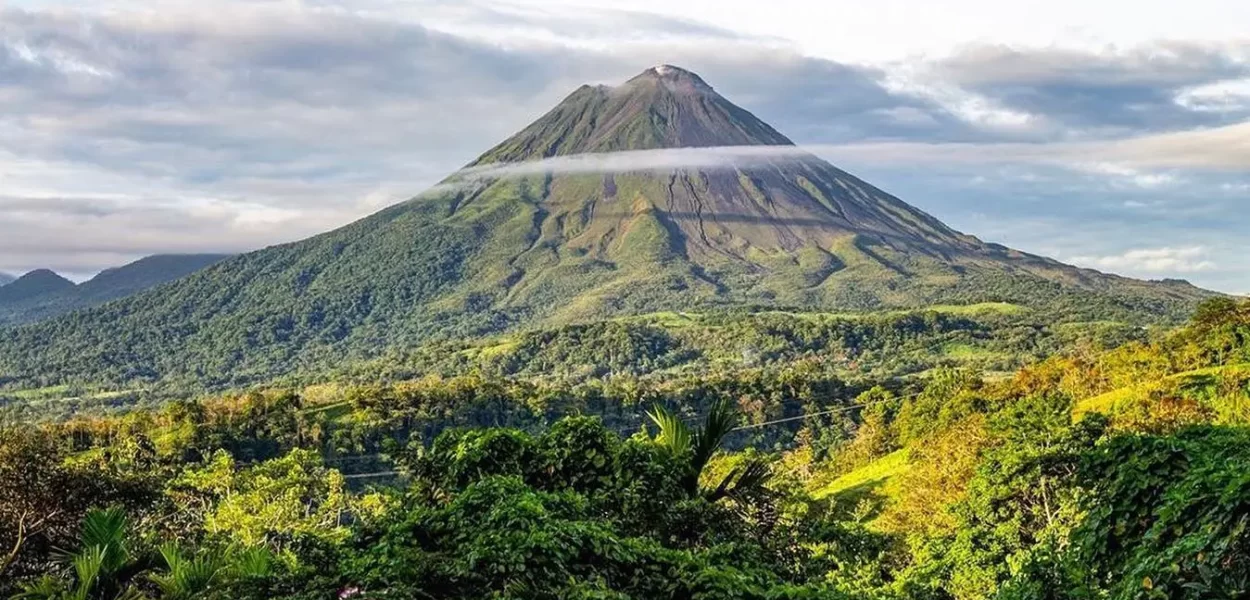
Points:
(1065, 93)
(1152, 260)
(706, 158)
(1224, 148)
(976, 109)
(1131, 176)
(131, 130)
(1227, 96)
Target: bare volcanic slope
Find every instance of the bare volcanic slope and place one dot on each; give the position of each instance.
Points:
(493, 254)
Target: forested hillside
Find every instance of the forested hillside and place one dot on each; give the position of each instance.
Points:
(33, 286)
(1090, 474)
(653, 349)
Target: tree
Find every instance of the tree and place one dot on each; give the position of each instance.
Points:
(268, 503)
(103, 564)
(696, 448)
(43, 498)
(1023, 498)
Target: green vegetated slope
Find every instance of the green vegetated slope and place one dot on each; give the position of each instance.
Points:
(1196, 375)
(33, 285)
(658, 346)
(754, 484)
(870, 475)
(480, 255)
(992, 337)
(1112, 402)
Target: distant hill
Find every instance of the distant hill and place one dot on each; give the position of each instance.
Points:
(43, 294)
(33, 286)
(516, 252)
(142, 274)
(6, 279)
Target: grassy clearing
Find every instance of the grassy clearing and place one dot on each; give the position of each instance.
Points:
(55, 391)
(871, 474)
(498, 349)
(334, 411)
(676, 320)
(1106, 403)
(1109, 402)
(965, 351)
(667, 319)
(1002, 308)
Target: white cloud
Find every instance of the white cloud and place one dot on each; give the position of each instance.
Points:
(1124, 160)
(973, 108)
(1130, 176)
(56, 59)
(1227, 96)
(1152, 261)
(889, 30)
(1217, 149)
(718, 157)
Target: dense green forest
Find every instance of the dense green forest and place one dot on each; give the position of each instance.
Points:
(655, 348)
(1099, 471)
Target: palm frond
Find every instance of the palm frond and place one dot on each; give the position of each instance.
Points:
(721, 419)
(48, 587)
(722, 490)
(106, 530)
(674, 434)
(743, 480)
(754, 475)
(104, 527)
(252, 562)
(88, 567)
(131, 593)
(187, 577)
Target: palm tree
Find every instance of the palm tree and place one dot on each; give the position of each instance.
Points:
(699, 446)
(100, 566)
(252, 562)
(185, 577)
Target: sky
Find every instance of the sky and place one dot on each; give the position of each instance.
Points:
(1110, 134)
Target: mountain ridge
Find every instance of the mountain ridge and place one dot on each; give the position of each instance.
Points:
(532, 250)
(110, 284)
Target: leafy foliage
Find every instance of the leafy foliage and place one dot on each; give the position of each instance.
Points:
(960, 485)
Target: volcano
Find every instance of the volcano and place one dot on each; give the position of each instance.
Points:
(543, 248)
